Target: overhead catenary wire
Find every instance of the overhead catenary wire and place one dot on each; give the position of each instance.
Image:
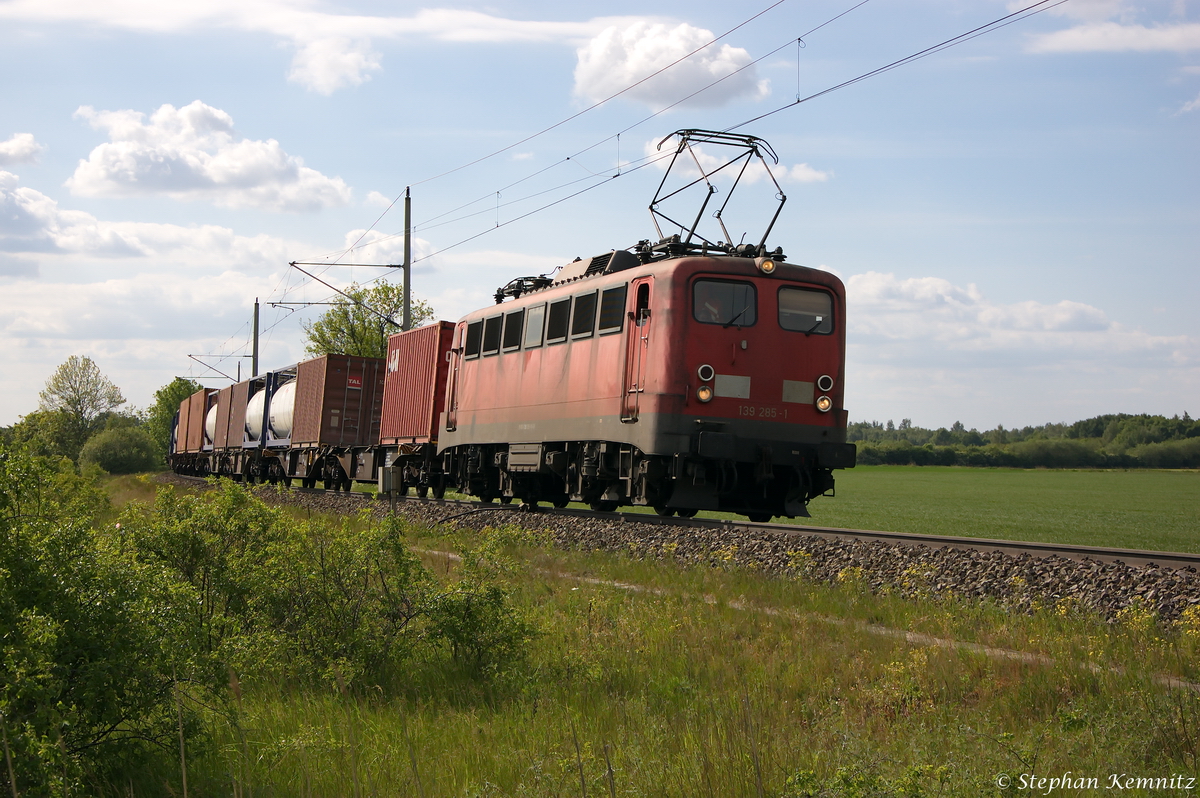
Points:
(572, 117)
(616, 136)
(996, 24)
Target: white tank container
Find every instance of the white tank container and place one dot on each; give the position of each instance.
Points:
(283, 403)
(254, 415)
(210, 424)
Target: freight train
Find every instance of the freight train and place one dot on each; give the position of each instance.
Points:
(674, 375)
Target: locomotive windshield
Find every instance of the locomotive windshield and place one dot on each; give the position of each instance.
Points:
(805, 310)
(724, 302)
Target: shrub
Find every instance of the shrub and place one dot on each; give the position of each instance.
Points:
(120, 450)
(86, 651)
(1169, 454)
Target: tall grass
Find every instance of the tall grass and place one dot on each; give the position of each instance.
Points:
(692, 687)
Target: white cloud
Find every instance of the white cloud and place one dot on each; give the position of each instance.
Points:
(333, 50)
(21, 148)
(1193, 105)
(1116, 37)
(378, 199)
(803, 173)
(620, 56)
(928, 319)
(32, 222)
(926, 349)
(326, 65)
(193, 153)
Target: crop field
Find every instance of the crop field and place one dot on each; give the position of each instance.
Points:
(1144, 509)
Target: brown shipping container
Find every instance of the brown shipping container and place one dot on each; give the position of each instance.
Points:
(338, 401)
(414, 392)
(237, 414)
(181, 428)
(197, 414)
(220, 441)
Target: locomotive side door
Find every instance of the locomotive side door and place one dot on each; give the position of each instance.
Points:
(637, 343)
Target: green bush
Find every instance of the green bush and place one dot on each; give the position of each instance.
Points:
(87, 637)
(1170, 454)
(312, 601)
(120, 450)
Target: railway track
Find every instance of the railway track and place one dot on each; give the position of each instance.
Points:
(457, 508)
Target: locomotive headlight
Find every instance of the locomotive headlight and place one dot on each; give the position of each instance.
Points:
(706, 373)
(704, 393)
(825, 383)
(824, 404)
(767, 266)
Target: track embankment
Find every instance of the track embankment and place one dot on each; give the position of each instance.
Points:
(1023, 577)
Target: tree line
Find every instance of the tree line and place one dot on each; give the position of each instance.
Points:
(83, 417)
(1118, 440)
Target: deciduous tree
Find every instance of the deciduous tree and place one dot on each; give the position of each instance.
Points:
(350, 327)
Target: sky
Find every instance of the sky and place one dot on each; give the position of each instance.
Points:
(1016, 218)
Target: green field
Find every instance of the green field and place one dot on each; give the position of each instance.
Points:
(1157, 510)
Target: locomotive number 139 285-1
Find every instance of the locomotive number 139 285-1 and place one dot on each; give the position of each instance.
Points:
(760, 411)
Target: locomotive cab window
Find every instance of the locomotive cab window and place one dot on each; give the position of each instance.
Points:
(806, 310)
(612, 310)
(474, 338)
(491, 335)
(559, 321)
(513, 323)
(583, 320)
(724, 302)
(535, 317)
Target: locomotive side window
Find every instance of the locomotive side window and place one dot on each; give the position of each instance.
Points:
(805, 310)
(559, 321)
(513, 323)
(724, 302)
(583, 322)
(491, 335)
(535, 317)
(612, 310)
(474, 336)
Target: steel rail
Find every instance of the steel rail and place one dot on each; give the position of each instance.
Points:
(1141, 557)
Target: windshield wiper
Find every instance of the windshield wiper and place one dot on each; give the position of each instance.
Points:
(730, 323)
(813, 329)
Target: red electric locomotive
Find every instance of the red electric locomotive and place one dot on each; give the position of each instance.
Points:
(663, 377)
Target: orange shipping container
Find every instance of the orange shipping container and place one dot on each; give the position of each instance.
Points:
(414, 392)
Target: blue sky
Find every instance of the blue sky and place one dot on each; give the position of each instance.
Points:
(1017, 218)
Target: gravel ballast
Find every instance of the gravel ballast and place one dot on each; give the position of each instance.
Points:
(1021, 582)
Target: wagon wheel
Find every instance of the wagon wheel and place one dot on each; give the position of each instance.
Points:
(603, 506)
(664, 511)
(422, 491)
(688, 513)
(506, 499)
(439, 491)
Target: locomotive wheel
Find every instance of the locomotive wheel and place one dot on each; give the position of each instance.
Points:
(422, 491)
(439, 491)
(506, 499)
(562, 501)
(486, 499)
(664, 511)
(602, 506)
(688, 513)
(759, 518)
